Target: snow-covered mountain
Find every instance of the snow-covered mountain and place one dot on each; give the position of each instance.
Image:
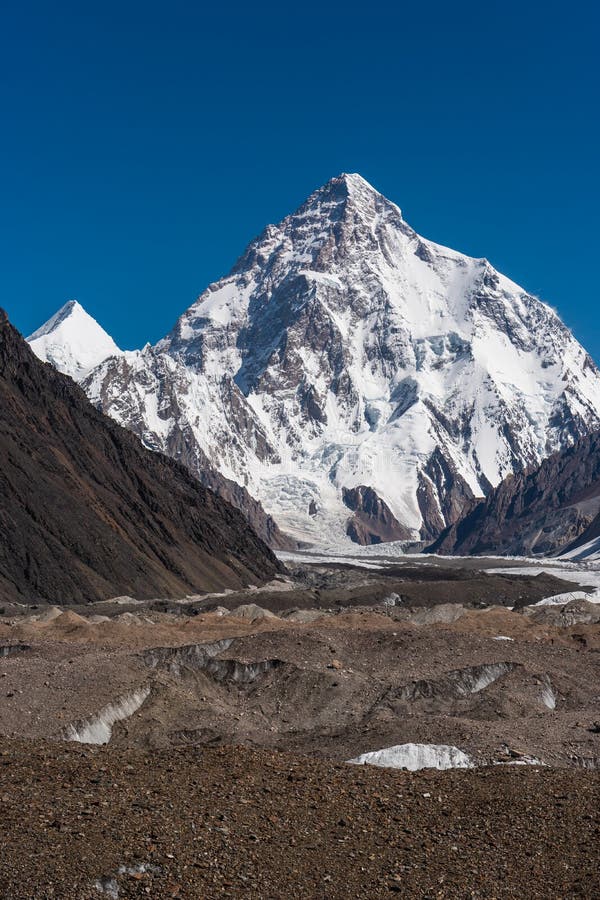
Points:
(72, 341)
(344, 351)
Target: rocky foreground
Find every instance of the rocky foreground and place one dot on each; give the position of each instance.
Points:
(496, 683)
(201, 822)
(223, 726)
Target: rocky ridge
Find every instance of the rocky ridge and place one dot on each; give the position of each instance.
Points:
(87, 513)
(552, 509)
(75, 344)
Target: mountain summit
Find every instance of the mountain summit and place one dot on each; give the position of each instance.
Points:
(346, 361)
(72, 341)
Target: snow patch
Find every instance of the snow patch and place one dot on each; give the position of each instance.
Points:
(589, 551)
(416, 756)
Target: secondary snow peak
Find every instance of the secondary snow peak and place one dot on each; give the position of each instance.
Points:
(72, 341)
(70, 308)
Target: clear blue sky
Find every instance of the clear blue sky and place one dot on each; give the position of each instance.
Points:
(144, 144)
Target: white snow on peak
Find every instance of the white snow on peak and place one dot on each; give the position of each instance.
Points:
(72, 341)
(355, 180)
(355, 184)
(362, 353)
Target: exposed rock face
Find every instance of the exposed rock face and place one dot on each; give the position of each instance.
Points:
(553, 508)
(87, 513)
(345, 350)
(261, 522)
(152, 382)
(442, 495)
(373, 522)
(587, 545)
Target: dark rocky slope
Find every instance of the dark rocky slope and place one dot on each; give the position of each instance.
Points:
(373, 521)
(541, 512)
(197, 462)
(587, 544)
(87, 513)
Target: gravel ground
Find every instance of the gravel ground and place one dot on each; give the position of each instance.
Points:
(232, 822)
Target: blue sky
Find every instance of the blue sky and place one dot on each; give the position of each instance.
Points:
(144, 144)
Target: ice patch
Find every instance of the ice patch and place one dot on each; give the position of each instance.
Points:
(193, 656)
(547, 694)
(415, 757)
(109, 884)
(525, 760)
(458, 683)
(561, 599)
(98, 729)
(392, 600)
(13, 649)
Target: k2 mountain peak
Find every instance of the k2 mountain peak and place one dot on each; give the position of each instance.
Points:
(346, 352)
